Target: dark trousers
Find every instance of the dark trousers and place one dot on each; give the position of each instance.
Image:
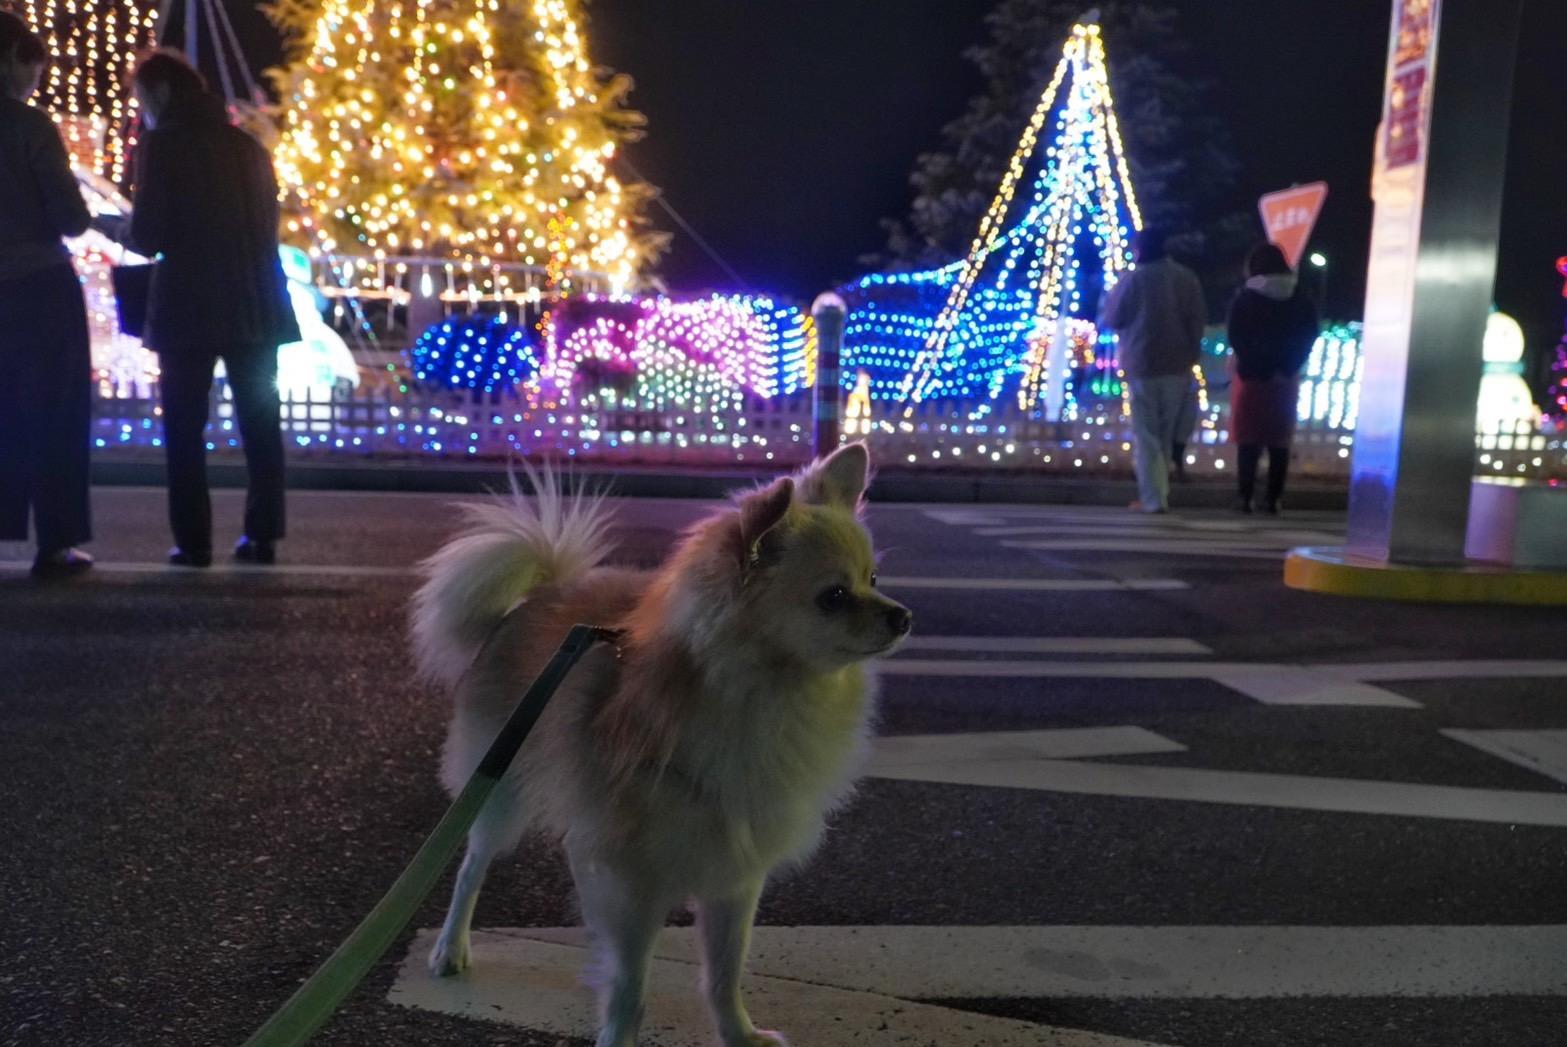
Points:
(45, 409)
(186, 385)
(1278, 468)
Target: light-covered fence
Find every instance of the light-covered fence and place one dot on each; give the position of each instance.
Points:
(390, 420)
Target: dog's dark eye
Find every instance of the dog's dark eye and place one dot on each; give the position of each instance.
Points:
(873, 579)
(834, 599)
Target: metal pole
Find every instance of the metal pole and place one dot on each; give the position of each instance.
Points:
(829, 311)
(1438, 189)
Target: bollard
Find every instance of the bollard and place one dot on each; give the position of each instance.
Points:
(829, 311)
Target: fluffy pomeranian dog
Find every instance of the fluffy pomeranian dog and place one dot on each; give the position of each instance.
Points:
(686, 762)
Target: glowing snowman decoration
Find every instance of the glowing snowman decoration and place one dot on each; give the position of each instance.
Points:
(1505, 404)
(313, 366)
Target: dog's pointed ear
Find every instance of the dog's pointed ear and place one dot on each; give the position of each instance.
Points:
(839, 479)
(760, 513)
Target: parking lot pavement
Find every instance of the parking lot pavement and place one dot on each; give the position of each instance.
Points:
(1129, 789)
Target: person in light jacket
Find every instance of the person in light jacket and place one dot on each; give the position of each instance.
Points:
(205, 200)
(45, 353)
(1272, 327)
(1157, 309)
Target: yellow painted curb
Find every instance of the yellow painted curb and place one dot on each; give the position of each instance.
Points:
(1330, 570)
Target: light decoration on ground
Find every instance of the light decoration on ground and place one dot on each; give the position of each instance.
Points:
(660, 351)
(1556, 390)
(1505, 404)
(319, 363)
(452, 129)
(1004, 319)
(92, 50)
(481, 353)
(1330, 381)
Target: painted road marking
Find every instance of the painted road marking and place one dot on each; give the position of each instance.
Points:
(224, 568)
(831, 986)
(1250, 536)
(1058, 644)
(1139, 545)
(523, 978)
(1541, 751)
(1244, 788)
(1062, 585)
(1271, 684)
(1165, 962)
(221, 568)
(1060, 743)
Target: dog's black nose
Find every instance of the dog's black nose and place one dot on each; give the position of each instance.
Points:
(901, 619)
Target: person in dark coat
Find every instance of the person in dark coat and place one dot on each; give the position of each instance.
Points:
(45, 353)
(205, 199)
(1273, 326)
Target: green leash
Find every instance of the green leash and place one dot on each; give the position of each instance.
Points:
(298, 1019)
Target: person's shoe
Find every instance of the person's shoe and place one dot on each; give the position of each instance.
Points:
(1243, 506)
(61, 563)
(190, 557)
(1271, 507)
(251, 550)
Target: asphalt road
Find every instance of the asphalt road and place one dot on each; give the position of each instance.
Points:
(207, 779)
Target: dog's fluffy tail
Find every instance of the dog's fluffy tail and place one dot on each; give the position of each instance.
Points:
(509, 546)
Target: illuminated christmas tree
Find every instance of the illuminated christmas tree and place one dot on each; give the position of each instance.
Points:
(1011, 315)
(92, 48)
(455, 129)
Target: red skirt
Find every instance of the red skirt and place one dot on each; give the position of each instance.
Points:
(1263, 412)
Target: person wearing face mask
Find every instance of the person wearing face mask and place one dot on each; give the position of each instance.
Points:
(205, 201)
(1273, 325)
(45, 353)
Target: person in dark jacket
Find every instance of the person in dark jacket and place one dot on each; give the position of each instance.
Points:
(1273, 326)
(205, 199)
(45, 354)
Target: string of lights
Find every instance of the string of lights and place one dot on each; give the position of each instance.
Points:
(408, 129)
(92, 48)
(996, 327)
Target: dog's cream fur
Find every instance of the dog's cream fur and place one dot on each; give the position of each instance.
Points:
(687, 762)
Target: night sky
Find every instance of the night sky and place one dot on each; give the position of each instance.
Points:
(784, 131)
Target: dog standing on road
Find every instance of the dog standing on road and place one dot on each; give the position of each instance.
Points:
(691, 759)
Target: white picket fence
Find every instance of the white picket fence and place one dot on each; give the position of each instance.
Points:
(389, 422)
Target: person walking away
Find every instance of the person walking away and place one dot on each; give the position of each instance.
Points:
(205, 199)
(45, 353)
(1272, 327)
(1157, 309)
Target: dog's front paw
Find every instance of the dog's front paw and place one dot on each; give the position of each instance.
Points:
(450, 956)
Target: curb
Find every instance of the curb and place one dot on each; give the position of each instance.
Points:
(889, 485)
(1335, 572)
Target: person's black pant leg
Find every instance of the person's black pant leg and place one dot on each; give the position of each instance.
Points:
(1247, 457)
(62, 516)
(45, 409)
(185, 382)
(252, 375)
(20, 409)
(1278, 471)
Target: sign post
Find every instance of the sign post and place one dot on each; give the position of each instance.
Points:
(1289, 216)
(1437, 185)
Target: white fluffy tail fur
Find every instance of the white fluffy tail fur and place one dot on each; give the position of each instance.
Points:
(509, 546)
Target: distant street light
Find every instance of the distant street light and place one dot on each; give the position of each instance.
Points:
(1319, 262)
